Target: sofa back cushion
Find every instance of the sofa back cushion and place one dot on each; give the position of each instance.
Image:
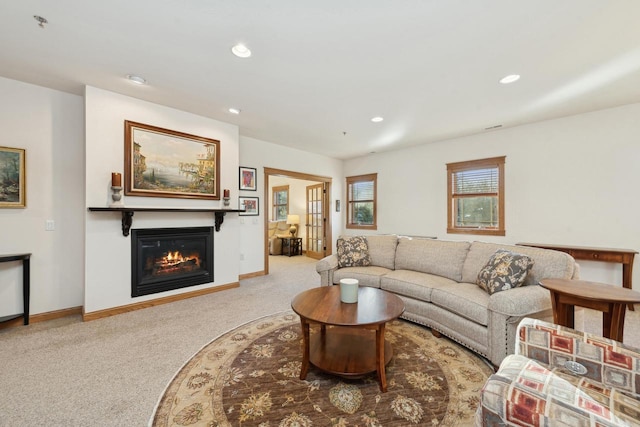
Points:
(278, 228)
(382, 250)
(440, 257)
(547, 264)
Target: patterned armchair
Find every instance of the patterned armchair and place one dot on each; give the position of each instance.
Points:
(560, 376)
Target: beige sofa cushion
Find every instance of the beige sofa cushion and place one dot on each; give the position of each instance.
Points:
(439, 257)
(547, 263)
(366, 276)
(413, 284)
(464, 299)
(382, 250)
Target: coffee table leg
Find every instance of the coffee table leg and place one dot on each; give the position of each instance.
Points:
(305, 351)
(382, 376)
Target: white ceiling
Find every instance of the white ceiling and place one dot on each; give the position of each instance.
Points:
(321, 69)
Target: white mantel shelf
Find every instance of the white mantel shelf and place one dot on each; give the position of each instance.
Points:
(127, 214)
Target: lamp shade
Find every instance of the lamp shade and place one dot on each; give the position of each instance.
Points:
(293, 219)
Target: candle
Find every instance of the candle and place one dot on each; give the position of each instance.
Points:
(226, 193)
(116, 179)
(349, 290)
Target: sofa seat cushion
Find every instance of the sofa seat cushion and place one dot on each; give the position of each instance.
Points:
(527, 392)
(464, 299)
(547, 264)
(382, 250)
(439, 257)
(413, 284)
(367, 276)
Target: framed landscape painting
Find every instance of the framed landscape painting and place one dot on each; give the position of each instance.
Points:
(165, 163)
(250, 205)
(12, 178)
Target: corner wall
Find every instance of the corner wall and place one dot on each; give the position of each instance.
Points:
(260, 154)
(49, 125)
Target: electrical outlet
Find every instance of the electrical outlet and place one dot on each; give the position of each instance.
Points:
(241, 257)
(49, 225)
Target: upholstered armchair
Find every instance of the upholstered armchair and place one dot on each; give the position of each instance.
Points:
(560, 376)
(277, 228)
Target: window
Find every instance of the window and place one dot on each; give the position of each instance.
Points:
(280, 202)
(361, 201)
(475, 202)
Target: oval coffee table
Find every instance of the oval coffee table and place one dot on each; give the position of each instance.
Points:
(349, 346)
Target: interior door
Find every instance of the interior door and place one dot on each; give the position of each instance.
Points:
(315, 223)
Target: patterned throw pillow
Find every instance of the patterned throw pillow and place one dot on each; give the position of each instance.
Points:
(353, 252)
(505, 270)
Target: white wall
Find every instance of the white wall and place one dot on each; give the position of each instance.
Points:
(571, 181)
(108, 262)
(49, 125)
(260, 154)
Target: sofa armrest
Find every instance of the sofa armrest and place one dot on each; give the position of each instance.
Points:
(521, 302)
(325, 268)
(604, 360)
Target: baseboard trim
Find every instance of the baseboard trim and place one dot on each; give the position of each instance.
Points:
(250, 275)
(94, 315)
(43, 317)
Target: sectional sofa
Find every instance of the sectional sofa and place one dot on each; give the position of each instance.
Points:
(438, 282)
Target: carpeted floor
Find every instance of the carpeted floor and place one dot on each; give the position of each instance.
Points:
(250, 377)
(110, 372)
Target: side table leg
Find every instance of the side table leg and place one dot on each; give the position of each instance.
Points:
(305, 351)
(382, 375)
(616, 322)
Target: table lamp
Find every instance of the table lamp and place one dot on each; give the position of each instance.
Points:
(293, 221)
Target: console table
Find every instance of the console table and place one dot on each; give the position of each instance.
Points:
(25, 258)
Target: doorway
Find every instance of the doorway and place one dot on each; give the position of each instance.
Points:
(317, 219)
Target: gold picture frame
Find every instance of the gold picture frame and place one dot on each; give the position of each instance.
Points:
(13, 178)
(165, 163)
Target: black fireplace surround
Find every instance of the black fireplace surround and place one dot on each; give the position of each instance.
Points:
(164, 259)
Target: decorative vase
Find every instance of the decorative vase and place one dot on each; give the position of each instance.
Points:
(116, 197)
(349, 290)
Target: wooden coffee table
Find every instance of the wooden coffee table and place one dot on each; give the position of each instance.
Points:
(611, 300)
(351, 341)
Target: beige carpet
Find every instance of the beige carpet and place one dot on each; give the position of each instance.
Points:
(250, 377)
(110, 372)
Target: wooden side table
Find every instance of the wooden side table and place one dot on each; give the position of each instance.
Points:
(610, 300)
(26, 286)
(291, 245)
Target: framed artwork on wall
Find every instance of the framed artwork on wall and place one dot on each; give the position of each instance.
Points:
(13, 186)
(251, 205)
(248, 179)
(165, 163)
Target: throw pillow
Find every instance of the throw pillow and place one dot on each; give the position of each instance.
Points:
(353, 252)
(505, 270)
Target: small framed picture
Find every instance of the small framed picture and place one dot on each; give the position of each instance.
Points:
(12, 178)
(248, 179)
(251, 205)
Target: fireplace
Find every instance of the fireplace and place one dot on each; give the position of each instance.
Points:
(163, 259)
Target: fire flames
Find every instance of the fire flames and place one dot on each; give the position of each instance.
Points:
(175, 262)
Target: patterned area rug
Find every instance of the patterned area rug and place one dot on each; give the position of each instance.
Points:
(250, 377)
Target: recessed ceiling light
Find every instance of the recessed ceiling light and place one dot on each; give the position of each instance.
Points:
(136, 79)
(234, 110)
(377, 119)
(510, 79)
(241, 51)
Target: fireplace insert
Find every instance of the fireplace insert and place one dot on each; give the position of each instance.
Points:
(163, 259)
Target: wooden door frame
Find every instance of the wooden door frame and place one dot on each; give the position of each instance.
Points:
(268, 172)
